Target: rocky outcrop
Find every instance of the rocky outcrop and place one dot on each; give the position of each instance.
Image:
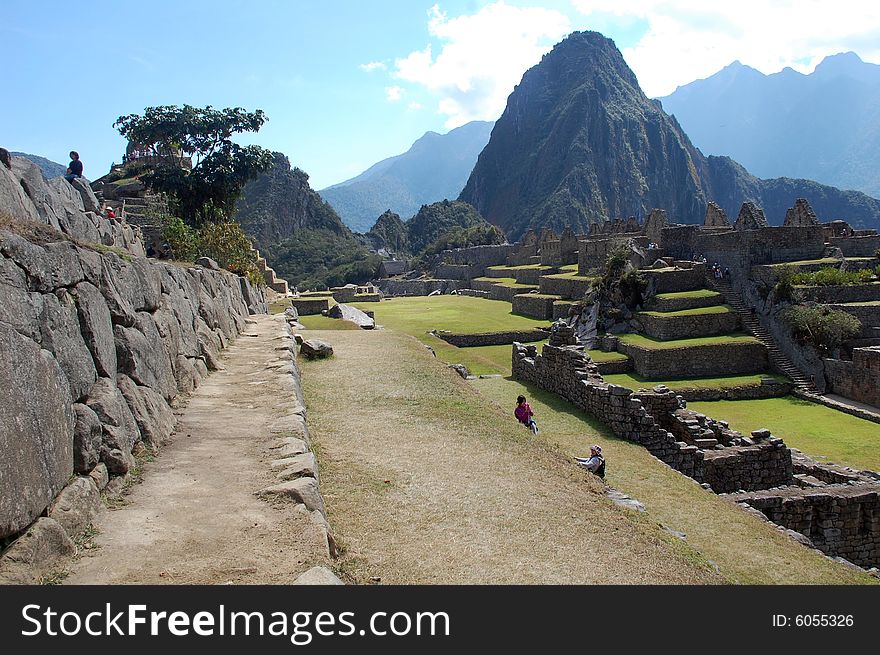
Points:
(72, 209)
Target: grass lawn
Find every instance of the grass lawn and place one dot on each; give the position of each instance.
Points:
(427, 482)
(569, 268)
(745, 549)
(419, 315)
(655, 344)
(634, 381)
(867, 303)
(699, 293)
(319, 322)
(602, 356)
(699, 311)
(815, 429)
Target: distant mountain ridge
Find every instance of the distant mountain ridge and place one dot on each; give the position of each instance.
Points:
(579, 142)
(50, 168)
(434, 168)
(823, 126)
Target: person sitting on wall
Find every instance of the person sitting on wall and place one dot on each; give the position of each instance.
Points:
(595, 463)
(524, 414)
(75, 168)
(110, 213)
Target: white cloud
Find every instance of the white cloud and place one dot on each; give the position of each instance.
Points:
(481, 57)
(692, 39)
(373, 66)
(393, 93)
(414, 106)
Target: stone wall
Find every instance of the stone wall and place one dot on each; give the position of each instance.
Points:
(566, 372)
(457, 271)
(679, 304)
(858, 379)
(857, 246)
(72, 209)
(491, 338)
(839, 294)
(535, 305)
(687, 441)
(688, 326)
(94, 347)
(676, 280)
(500, 291)
(841, 520)
(421, 287)
(697, 361)
(565, 287)
(595, 250)
(306, 306)
(739, 250)
(480, 256)
(748, 468)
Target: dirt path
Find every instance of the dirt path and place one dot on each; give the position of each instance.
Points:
(194, 519)
(426, 483)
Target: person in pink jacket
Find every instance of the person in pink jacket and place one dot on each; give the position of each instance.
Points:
(524, 414)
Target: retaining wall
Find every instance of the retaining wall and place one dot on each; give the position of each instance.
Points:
(839, 294)
(535, 305)
(698, 361)
(858, 379)
(841, 520)
(574, 288)
(94, 346)
(491, 338)
(689, 326)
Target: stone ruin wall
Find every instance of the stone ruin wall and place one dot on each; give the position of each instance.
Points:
(858, 379)
(837, 512)
(95, 347)
(841, 520)
(490, 338)
(739, 250)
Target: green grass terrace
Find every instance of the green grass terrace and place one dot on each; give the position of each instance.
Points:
(715, 309)
(655, 344)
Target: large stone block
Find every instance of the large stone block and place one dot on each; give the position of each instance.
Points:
(87, 433)
(141, 355)
(13, 198)
(19, 308)
(36, 441)
(96, 325)
(77, 506)
(61, 336)
(151, 413)
(120, 430)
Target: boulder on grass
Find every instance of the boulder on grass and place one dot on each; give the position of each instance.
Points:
(316, 349)
(353, 314)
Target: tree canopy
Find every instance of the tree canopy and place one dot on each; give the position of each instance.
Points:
(220, 168)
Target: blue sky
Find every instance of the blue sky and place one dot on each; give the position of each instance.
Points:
(347, 83)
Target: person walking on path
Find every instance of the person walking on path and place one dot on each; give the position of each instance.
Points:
(75, 168)
(524, 414)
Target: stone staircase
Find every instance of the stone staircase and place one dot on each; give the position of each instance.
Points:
(779, 361)
(146, 212)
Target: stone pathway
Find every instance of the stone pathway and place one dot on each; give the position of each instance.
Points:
(195, 519)
(426, 482)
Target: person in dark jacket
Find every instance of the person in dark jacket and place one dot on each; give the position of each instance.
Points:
(75, 168)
